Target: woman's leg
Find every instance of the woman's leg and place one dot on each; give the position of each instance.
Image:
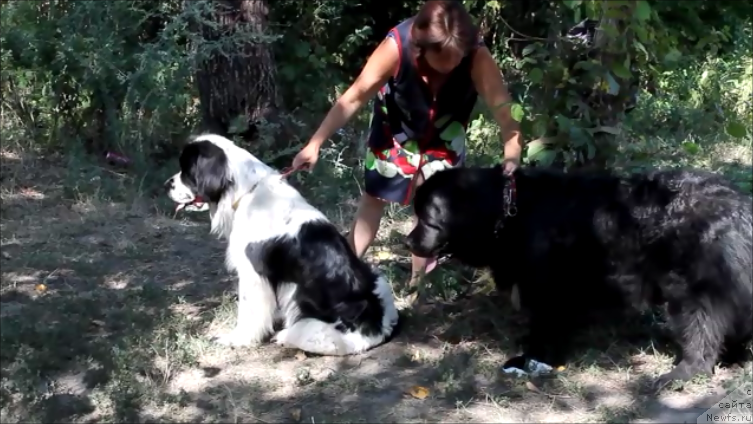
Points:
(418, 265)
(366, 224)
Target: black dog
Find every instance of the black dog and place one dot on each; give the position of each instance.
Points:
(580, 243)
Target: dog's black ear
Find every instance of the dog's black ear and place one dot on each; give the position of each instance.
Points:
(205, 167)
(212, 179)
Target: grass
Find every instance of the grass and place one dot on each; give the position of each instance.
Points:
(108, 303)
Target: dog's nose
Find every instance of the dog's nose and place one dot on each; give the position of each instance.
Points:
(169, 184)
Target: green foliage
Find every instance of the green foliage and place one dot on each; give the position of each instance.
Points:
(88, 70)
(120, 75)
(573, 98)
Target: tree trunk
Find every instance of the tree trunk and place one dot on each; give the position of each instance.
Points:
(238, 89)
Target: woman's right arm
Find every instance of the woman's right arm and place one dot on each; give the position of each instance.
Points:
(379, 68)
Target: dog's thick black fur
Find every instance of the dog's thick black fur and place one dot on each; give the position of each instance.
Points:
(589, 241)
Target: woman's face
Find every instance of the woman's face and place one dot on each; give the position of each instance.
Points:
(443, 61)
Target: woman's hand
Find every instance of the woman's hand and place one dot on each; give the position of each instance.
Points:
(510, 165)
(307, 157)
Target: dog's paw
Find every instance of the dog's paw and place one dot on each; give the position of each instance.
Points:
(236, 338)
(670, 381)
(676, 378)
(281, 338)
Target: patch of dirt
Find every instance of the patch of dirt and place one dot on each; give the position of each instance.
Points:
(107, 308)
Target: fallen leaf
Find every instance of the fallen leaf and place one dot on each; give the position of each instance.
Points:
(419, 392)
(561, 368)
(383, 255)
(295, 413)
(301, 355)
(41, 287)
(530, 386)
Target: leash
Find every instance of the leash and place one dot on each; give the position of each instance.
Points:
(286, 172)
(510, 195)
(509, 198)
(289, 170)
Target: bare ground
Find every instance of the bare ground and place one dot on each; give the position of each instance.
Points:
(108, 303)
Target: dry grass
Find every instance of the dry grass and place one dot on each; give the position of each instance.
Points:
(108, 302)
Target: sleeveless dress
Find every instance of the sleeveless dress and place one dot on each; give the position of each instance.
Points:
(410, 131)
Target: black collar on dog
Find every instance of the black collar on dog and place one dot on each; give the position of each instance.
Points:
(509, 205)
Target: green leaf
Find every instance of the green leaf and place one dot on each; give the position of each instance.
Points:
(586, 65)
(578, 137)
(639, 46)
(621, 71)
(536, 146)
(572, 4)
(609, 29)
(642, 10)
(605, 129)
(238, 125)
(539, 127)
(563, 123)
(736, 129)
(529, 49)
(690, 147)
(493, 4)
(302, 49)
(593, 9)
(614, 87)
(614, 12)
(539, 151)
(673, 56)
(535, 75)
(517, 112)
(547, 157)
(591, 153)
(641, 34)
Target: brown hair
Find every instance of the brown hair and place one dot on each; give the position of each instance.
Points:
(443, 24)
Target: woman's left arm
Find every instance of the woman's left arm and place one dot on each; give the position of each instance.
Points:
(489, 83)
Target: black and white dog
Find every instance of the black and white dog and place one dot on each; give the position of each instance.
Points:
(580, 245)
(292, 263)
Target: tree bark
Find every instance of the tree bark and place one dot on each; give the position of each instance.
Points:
(238, 87)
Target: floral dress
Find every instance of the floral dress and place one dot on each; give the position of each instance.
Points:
(412, 130)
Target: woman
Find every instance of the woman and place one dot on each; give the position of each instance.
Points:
(427, 75)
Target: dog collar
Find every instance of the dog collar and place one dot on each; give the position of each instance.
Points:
(238, 200)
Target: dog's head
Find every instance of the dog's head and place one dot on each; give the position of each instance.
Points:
(204, 175)
(456, 210)
(211, 167)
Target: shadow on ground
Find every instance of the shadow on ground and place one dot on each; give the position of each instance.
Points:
(107, 308)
